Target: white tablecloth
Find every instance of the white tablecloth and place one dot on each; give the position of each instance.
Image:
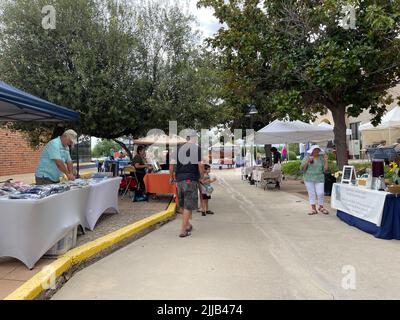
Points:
(257, 175)
(29, 228)
(102, 196)
(362, 203)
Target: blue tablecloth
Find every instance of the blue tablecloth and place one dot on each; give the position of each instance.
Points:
(390, 226)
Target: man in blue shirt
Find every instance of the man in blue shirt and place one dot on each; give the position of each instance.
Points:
(56, 160)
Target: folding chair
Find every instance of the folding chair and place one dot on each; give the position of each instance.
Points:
(129, 183)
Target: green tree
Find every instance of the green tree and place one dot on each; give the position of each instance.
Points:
(84, 64)
(104, 147)
(299, 58)
(125, 67)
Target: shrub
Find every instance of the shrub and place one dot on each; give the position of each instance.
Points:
(292, 155)
(331, 156)
(292, 168)
(333, 167)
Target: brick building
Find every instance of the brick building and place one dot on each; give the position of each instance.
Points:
(16, 156)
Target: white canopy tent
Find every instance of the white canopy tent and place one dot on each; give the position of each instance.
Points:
(292, 132)
(161, 139)
(389, 121)
(329, 126)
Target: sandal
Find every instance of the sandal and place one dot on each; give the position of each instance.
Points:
(185, 234)
(323, 210)
(203, 213)
(189, 229)
(209, 212)
(313, 212)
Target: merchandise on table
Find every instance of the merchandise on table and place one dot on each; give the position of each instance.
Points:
(78, 183)
(4, 194)
(39, 192)
(9, 188)
(19, 186)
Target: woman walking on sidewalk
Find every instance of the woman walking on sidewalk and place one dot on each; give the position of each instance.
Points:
(314, 166)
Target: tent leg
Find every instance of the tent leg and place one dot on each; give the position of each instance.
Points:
(77, 157)
(287, 152)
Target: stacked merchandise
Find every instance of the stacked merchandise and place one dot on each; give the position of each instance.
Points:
(9, 188)
(78, 183)
(19, 190)
(39, 192)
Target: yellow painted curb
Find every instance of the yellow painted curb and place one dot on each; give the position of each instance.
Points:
(39, 282)
(86, 175)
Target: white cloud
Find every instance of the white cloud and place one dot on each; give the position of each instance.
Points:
(208, 24)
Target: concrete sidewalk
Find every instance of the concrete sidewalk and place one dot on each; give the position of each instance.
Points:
(258, 245)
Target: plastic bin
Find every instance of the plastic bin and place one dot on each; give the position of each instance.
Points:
(65, 244)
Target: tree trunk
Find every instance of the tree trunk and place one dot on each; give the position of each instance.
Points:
(339, 117)
(123, 145)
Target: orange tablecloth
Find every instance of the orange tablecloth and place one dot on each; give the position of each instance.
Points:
(159, 183)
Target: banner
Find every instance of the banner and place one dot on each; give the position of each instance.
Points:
(362, 203)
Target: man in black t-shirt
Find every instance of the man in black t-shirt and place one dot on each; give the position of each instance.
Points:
(277, 157)
(139, 162)
(187, 169)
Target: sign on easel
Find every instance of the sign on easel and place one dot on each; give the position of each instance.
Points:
(348, 174)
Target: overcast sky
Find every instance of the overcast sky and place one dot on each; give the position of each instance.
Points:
(208, 24)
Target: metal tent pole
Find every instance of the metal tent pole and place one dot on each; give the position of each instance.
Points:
(77, 157)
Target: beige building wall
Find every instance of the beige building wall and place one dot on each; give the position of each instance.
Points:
(372, 136)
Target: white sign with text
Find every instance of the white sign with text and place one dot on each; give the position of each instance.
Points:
(362, 203)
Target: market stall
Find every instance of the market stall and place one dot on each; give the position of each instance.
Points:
(388, 129)
(158, 183)
(375, 212)
(367, 203)
(29, 228)
(257, 174)
(292, 132)
(17, 105)
(33, 219)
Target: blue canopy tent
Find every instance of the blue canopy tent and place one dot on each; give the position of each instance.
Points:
(19, 106)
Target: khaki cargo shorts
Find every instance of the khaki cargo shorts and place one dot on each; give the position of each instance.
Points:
(188, 192)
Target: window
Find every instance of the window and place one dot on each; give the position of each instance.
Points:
(355, 131)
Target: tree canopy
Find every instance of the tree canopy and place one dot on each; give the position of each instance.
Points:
(126, 67)
(104, 147)
(297, 58)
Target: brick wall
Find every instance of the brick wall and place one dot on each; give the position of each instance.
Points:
(16, 157)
